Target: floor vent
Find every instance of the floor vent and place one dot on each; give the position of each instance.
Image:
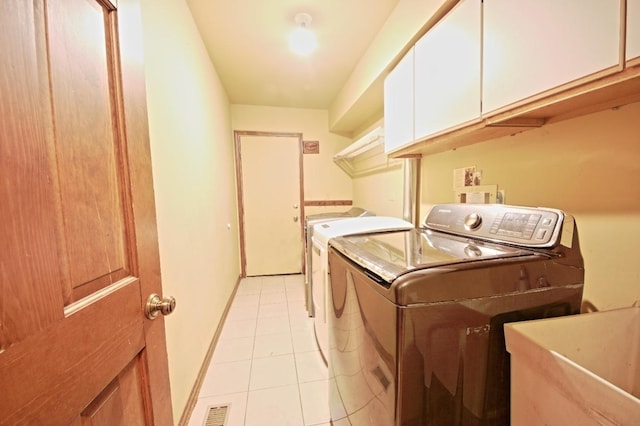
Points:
(217, 415)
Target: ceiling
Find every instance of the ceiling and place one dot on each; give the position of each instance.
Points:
(247, 42)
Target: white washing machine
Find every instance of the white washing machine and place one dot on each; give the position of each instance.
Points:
(322, 233)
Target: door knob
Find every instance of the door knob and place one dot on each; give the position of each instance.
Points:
(295, 218)
(295, 206)
(155, 305)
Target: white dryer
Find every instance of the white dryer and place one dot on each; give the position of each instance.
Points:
(309, 223)
(322, 233)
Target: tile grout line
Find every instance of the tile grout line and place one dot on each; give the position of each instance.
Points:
(290, 291)
(255, 331)
(295, 359)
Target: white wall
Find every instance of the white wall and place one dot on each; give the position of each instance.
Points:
(381, 192)
(588, 167)
(360, 99)
(194, 180)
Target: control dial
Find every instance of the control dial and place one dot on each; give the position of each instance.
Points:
(472, 221)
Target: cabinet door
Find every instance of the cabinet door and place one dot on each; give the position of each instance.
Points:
(447, 71)
(633, 29)
(531, 46)
(398, 104)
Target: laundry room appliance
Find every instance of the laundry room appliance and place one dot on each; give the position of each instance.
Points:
(416, 317)
(311, 220)
(322, 233)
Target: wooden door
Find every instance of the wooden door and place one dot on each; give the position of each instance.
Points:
(272, 215)
(78, 255)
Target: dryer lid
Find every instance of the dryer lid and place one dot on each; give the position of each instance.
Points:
(352, 212)
(323, 232)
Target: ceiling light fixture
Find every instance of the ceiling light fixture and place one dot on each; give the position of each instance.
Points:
(302, 40)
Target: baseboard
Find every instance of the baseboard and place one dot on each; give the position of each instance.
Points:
(195, 391)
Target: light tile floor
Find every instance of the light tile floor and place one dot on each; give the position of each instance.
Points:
(266, 363)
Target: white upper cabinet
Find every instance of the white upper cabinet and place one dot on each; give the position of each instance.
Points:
(532, 46)
(633, 29)
(398, 104)
(447, 71)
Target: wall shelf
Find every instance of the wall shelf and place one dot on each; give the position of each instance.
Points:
(366, 155)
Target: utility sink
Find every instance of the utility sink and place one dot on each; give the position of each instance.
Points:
(576, 370)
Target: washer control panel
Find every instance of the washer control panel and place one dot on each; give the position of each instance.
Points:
(522, 226)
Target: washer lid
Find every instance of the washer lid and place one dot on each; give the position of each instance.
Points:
(392, 254)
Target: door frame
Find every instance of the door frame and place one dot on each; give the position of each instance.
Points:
(237, 138)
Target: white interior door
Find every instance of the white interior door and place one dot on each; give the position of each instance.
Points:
(271, 203)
